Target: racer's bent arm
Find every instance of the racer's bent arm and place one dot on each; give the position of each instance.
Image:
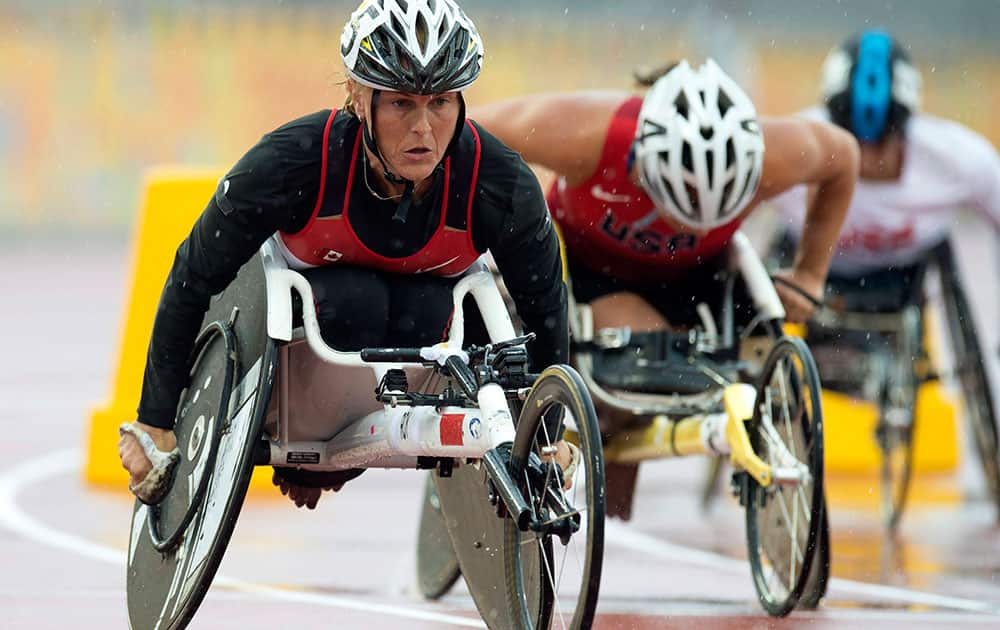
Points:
(273, 187)
(561, 132)
(515, 226)
(826, 158)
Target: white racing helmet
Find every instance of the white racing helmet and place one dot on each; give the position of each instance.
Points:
(412, 46)
(698, 146)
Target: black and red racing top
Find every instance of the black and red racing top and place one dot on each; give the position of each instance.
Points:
(611, 226)
(305, 182)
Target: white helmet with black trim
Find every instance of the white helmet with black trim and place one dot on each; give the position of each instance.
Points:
(698, 146)
(412, 46)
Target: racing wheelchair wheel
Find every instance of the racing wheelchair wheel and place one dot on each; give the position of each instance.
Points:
(437, 564)
(786, 523)
(571, 545)
(897, 419)
(972, 376)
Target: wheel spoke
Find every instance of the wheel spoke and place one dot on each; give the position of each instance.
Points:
(548, 569)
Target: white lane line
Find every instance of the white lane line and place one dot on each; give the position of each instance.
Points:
(617, 534)
(13, 481)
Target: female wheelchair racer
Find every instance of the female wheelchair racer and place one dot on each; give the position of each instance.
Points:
(649, 195)
(379, 206)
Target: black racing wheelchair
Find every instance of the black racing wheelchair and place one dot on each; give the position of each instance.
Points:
(869, 340)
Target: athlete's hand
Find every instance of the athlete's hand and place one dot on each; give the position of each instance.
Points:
(132, 456)
(798, 309)
(307, 497)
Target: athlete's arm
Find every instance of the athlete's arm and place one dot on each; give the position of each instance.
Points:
(562, 132)
(251, 203)
(983, 180)
(514, 225)
(825, 157)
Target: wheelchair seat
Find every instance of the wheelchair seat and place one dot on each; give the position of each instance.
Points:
(887, 290)
(658, 363)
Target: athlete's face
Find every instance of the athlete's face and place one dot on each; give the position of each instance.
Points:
(413, 131)
(883, 160)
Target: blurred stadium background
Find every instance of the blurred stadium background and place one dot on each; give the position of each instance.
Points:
(93, 93)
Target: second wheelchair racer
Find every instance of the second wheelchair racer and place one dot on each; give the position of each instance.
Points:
(650, 190)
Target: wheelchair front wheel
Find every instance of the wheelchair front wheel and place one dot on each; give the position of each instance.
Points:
(785, 521)
(894, 436)
(571, 546)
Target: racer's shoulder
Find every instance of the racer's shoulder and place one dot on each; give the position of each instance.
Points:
(505, 182)
(499, 164)
(304, 135)
(947, 139)
(282, 168)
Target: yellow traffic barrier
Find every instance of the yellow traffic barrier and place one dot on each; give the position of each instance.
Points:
(849, 432)
(849, 426)
(173, 199)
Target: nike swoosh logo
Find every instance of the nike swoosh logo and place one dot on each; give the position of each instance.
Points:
(444, 264)
(599, 193)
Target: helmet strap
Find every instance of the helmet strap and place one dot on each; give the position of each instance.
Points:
(406, 201)
(459, 124)
(372, 146)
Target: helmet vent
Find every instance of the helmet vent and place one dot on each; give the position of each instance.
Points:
(432, 6)
(724, 103)
(681, 104)
(398, 28)
(422, 32)
(686, 160)
(726, 191)
(710, 162)
(730, 153)
(404, 5)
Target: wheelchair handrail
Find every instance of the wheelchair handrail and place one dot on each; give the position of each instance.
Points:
(281, 280)
(744, 258)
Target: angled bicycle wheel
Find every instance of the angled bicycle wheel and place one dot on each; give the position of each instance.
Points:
(437, 564)
(785, 519)
(971, 372)
(571, 547)
(897, 419)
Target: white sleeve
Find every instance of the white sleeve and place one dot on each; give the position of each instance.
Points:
(984, 180)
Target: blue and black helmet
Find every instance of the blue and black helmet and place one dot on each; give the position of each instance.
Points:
(870, 86)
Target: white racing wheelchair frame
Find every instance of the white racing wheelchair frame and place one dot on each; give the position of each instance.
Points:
(397, 435)
(469, 426)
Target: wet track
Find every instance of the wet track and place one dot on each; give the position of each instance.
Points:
(350, 563)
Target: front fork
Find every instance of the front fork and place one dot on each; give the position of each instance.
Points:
(554, 515)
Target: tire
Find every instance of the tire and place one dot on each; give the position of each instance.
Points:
(897, 420)
(819, 574)
(788, 392)
(970, 369)
(437, 564)
(569, 591)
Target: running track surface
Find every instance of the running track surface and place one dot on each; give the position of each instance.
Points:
(350, 563)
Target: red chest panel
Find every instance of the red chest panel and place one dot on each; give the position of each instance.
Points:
(328, 238)
(611, 226)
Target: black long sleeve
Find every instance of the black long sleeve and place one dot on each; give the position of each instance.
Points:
(273, 187)
(516, 227)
